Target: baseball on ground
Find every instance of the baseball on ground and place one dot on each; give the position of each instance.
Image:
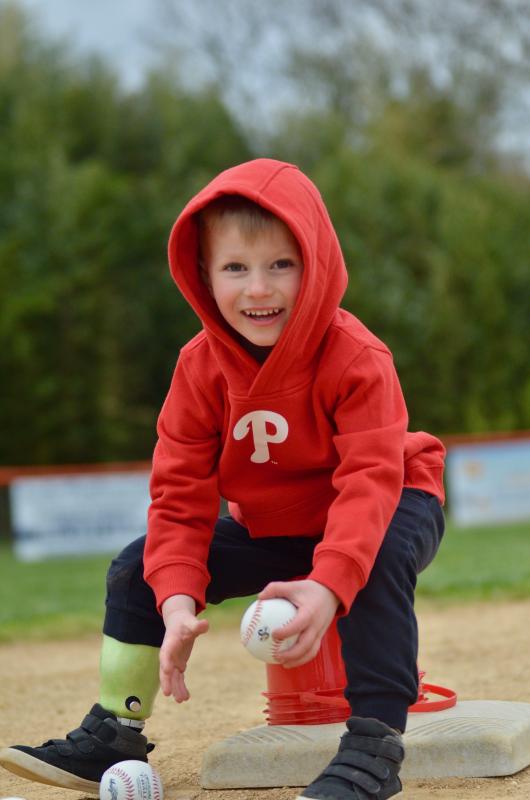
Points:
(260, 620)
(131, 780)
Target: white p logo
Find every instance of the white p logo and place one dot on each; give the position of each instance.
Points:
(256, 420)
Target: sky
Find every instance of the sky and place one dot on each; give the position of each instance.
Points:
(123, 30)
(116, 29)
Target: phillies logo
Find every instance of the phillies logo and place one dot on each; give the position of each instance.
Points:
(256, 422)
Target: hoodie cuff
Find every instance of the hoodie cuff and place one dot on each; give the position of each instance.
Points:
(178, 579)
(340, 574)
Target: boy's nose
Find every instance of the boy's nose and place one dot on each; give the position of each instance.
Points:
(258, 285)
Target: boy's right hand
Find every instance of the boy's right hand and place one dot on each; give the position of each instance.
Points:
(182, 628)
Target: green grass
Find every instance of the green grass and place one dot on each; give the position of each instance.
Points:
(61, 598)
(65, 597)
(480, 563)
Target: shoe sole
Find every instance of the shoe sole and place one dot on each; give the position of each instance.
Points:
(35, 770)
(302, 797)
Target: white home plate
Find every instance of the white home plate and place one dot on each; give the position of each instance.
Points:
(476, 738)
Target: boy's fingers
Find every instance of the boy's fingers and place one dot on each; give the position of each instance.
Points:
(165, 682)
(169, 662)
(172, 658)
(304, 659)
(298, 653)
(274, 589)
(166, 663)
(295, 626)
(172, 683)
(201, 626)
(179, 688)
(188, 635)
(194, 629)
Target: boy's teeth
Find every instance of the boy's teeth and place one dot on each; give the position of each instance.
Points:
(264, 313)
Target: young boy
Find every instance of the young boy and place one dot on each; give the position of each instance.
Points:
(290, 408)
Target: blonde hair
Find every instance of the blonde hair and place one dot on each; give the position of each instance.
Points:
(252, 218)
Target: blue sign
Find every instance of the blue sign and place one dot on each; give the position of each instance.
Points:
(78, 514)
(489, 482)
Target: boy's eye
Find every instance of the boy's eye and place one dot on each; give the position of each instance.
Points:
(283, 263)
(234, 266)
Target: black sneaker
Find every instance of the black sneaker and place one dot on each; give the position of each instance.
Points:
(79, 761)
(366, 766)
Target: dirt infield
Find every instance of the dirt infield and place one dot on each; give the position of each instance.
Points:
(482, 651)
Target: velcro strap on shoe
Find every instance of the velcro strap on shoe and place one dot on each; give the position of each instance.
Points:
(64, 748)
(82, 741)
(387, 747)
(91, 723)
(355, 776)
(103, 729)
(372, 764)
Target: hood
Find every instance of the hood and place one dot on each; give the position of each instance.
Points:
(285, 191)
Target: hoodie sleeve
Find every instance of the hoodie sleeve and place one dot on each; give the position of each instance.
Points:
(371, 422)
(184, 492)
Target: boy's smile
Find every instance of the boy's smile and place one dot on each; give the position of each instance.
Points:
(254, 280)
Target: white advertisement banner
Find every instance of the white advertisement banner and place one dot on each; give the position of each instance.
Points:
(489, 482)
(77, 514)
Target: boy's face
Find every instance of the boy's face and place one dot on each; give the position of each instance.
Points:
(255, 282)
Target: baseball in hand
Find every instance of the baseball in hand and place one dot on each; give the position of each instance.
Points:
(131, 780)
(260, 620)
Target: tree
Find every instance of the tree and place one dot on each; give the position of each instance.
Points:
(433, 223)
(438, 266)
(351, 59)
(91, 180)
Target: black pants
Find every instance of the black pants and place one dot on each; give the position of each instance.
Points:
(379, 634)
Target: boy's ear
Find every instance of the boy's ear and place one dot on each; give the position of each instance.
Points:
(204, 276)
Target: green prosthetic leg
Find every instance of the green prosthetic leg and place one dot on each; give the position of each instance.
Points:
(129, 678)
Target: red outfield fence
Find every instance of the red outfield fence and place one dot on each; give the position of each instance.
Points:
(10, 473)
(487, 479)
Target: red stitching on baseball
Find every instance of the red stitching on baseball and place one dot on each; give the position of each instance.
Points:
(276, 645)
(129, 785)
(275, 649)
(157, 786)
(253, 624)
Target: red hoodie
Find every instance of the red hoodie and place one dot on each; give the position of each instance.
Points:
(312, 441)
